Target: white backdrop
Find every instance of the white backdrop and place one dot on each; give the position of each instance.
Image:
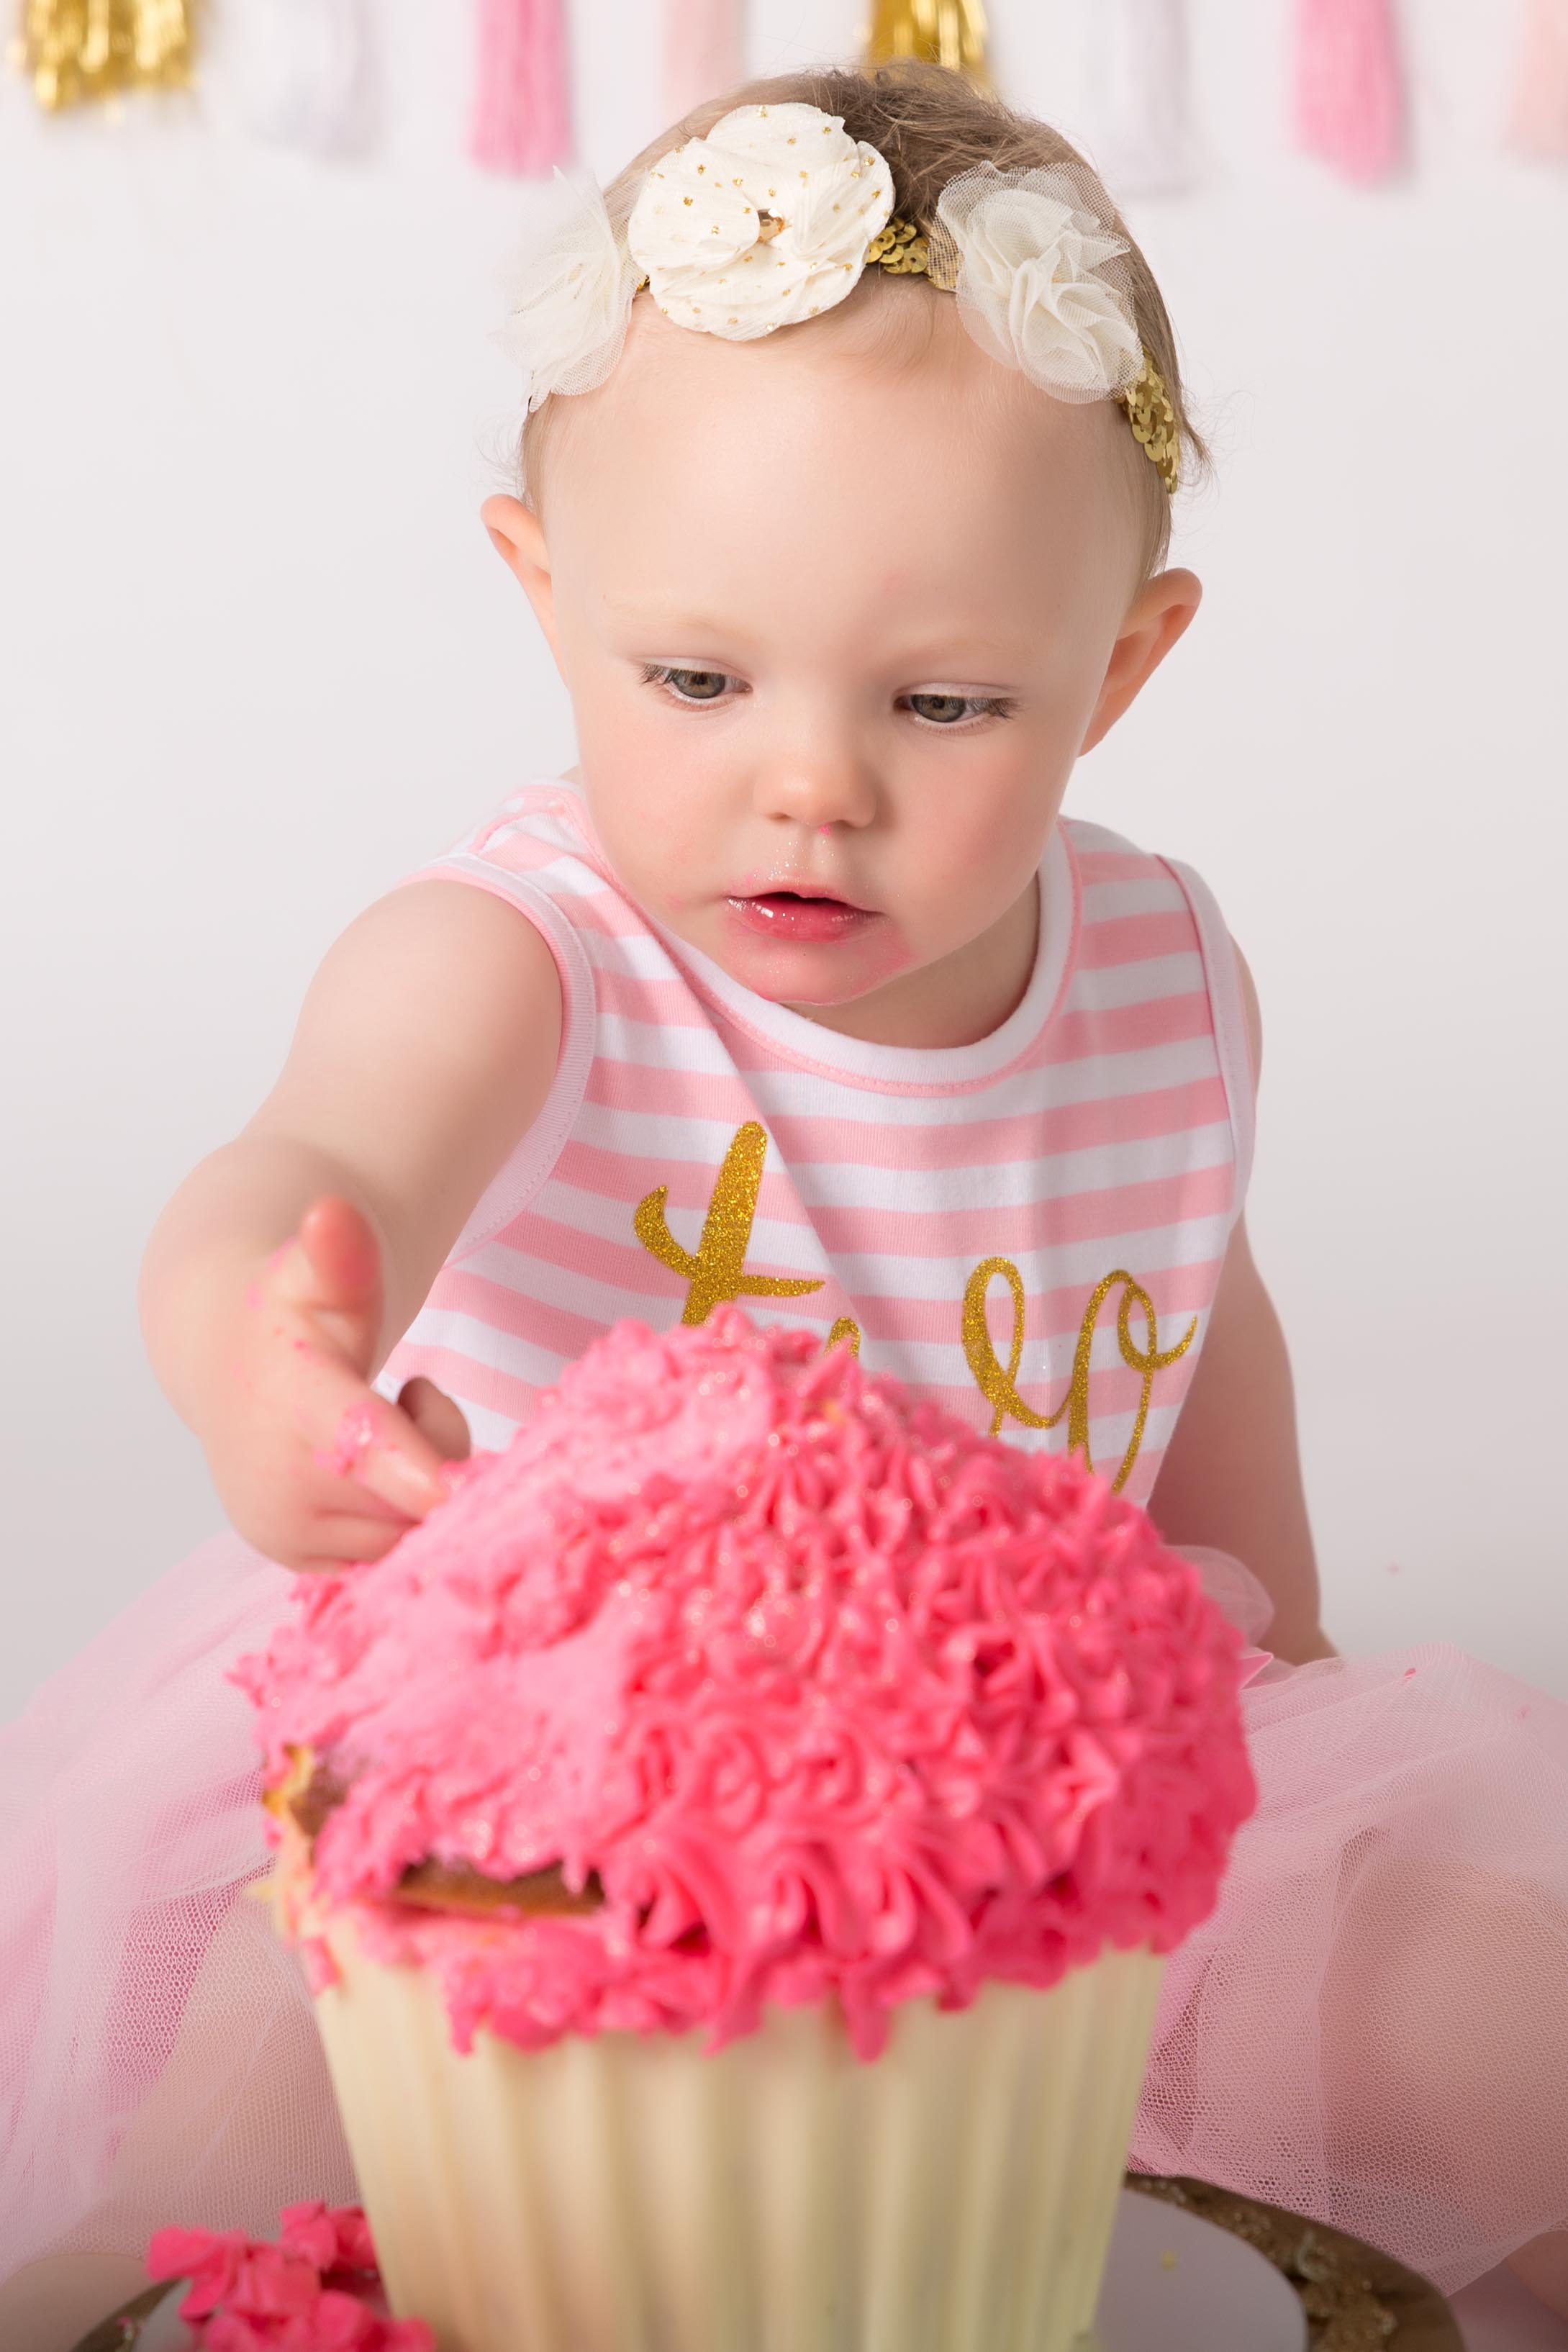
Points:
(256, 660)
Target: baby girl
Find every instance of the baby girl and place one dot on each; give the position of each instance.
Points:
(854, 418)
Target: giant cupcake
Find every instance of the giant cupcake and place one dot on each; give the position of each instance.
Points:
(735, 1841)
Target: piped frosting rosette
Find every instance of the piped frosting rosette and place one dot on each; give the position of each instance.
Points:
(741, 1679)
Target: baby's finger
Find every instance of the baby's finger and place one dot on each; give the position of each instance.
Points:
(330, 1272)
(342, 1256)
(436, 1416)
(340, 1536)
(380, 1448)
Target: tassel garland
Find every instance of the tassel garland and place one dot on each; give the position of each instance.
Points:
(945, 32)
(521, 120)
(1142, 95)
(1537, 123)
(310, 83)
(705, 51)
(77, 49)
(308, 79)
(1349, 105)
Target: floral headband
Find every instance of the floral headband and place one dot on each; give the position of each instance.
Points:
(772, 218)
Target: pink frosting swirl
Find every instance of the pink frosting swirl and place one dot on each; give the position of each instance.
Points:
(834, 1696)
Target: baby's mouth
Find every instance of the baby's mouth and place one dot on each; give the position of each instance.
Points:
(807, 918)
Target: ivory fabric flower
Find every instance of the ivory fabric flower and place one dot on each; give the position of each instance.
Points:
(569, 301)
(1039, 278)
(760, 225)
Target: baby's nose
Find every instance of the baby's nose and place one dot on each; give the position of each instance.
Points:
(826, 784)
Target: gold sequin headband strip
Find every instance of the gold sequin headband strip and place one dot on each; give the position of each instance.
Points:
(904, 251)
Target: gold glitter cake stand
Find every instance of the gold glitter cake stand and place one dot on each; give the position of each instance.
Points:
(1353, 2298)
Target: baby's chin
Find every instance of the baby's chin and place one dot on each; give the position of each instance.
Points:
(879, 988)
(810, 977)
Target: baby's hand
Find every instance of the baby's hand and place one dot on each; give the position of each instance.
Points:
(312, 1466)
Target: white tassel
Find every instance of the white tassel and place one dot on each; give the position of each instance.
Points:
(307, 73)
(1141, 90)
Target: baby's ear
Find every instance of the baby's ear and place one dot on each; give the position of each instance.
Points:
(518, 537)
(1161, 612)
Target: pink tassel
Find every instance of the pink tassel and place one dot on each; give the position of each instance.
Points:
(521, 118)
(1349, 104)
(705, 51)
(1538, 124)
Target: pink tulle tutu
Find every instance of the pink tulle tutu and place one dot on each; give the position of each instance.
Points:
(1372, 2028)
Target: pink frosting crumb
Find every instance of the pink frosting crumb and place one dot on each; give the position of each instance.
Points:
(835, 1697)
(351, 1440)
(316, 2290)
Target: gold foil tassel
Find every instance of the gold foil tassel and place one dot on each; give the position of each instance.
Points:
(73, 50)
(945, 32)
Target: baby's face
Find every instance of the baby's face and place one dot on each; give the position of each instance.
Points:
(836, 612)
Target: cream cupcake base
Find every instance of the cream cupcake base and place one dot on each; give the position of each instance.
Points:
(631, 2193)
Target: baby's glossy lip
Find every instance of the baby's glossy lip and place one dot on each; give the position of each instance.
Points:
(810, 916)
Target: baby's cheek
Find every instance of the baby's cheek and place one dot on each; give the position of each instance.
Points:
(645, 805)
(657, 838)
(970, 856)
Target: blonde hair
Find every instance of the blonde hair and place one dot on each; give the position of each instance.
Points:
(931, 124)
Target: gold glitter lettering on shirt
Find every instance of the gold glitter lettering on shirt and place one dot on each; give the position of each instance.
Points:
(1000, 1388)
(717, 1270)
(1148, 1359)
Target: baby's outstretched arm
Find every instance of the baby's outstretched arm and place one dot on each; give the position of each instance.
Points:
(287, 1265)
(1232, 1476)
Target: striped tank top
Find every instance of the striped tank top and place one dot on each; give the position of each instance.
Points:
(1027, 1230)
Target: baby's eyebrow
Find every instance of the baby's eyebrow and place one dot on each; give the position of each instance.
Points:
(970, 657)
(663, 623)
(968, 660)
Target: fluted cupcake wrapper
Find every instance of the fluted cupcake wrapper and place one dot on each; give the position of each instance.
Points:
(634, 2193)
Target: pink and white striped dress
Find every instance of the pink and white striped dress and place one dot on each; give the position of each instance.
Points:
(1029, 1230)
